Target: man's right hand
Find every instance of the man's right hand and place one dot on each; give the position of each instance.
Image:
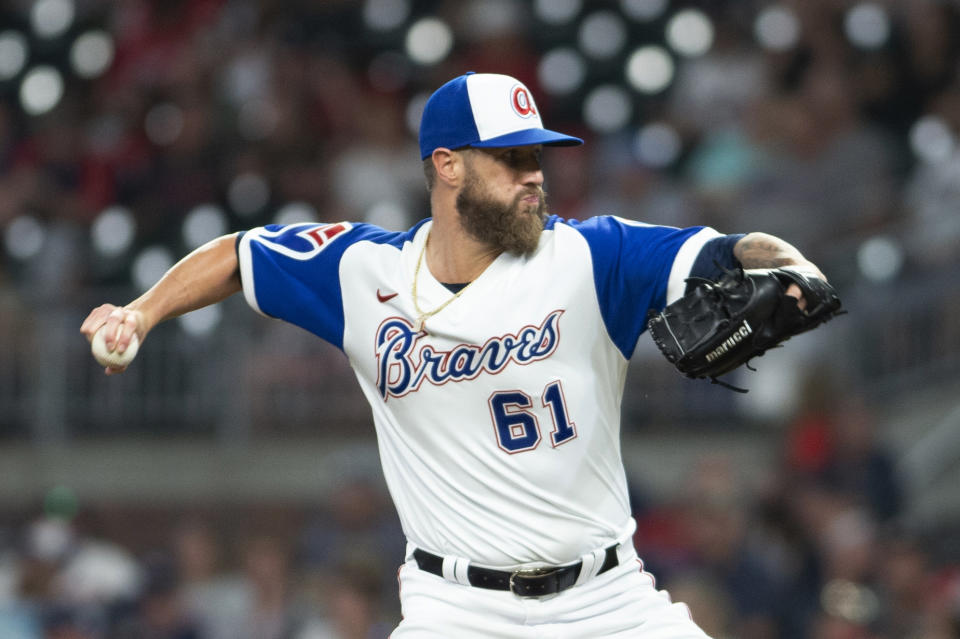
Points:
(113, 319)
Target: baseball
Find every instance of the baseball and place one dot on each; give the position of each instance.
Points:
(113, 359)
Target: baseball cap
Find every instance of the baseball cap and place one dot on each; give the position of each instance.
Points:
(484, 110)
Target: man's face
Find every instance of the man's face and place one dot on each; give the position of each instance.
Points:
(502, 202)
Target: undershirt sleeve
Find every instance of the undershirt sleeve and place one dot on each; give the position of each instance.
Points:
(715, 256)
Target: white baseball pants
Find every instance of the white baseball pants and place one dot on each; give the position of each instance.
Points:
(622, 602)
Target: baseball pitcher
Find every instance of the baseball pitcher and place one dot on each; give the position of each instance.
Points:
(491, 341)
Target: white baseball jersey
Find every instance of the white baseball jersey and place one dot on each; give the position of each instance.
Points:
(499, 423)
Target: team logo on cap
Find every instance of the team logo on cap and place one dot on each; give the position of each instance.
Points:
(522, 102)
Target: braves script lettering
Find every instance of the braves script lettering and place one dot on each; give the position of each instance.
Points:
(401, 370)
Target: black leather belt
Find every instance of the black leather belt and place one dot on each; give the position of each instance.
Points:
(535, 582)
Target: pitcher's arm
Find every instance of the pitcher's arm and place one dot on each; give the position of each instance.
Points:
(206, 276)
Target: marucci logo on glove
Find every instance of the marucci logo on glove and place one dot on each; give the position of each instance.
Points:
(731, 341)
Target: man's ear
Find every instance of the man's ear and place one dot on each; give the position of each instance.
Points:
(449, 166)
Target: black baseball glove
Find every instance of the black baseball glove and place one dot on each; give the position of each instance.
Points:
(717, 326)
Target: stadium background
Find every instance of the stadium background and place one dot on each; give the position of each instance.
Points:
(227, 485)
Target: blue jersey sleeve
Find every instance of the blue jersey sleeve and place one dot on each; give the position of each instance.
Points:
(293, 272)
(632, 264)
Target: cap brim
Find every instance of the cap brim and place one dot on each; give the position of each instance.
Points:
(527, 137)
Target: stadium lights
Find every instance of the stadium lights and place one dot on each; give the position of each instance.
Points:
(429, 41)
(113, 231)
(657, 145)
(690, 33)
(202, 224)
(931, 139)
(643, 10)
(150, 265)
(867, 25)
(650, 69)
(91, 54)
(41, 90)
(385, 15)
(607, 108)
(602, 34)
(295, 213)
(880, 259)
(777, 28)
(51, 18)
(561, 71)
(13, 54)
(201, 322)
(24, 237)
(248, 194)
(557, 12)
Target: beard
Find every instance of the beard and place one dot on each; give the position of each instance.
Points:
(514, 227)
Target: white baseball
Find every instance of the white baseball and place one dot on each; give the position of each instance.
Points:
(113, 359)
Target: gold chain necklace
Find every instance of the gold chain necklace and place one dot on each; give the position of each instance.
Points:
(423, 315)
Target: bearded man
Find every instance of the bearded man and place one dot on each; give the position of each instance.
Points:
(491, 341)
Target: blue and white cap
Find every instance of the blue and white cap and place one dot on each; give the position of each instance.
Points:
(484, 110)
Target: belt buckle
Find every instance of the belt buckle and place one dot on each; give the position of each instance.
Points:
(530, 573)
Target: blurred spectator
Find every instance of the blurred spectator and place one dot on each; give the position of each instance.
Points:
(283, 366)
(67, 585)
(60, 565)
(65, 622)
(709, 603)
(716, 522)
(833, 442)
(803, 137)
(269, 602)
(807, 442)
(257, 603)
(715, 91)
(352, 604)
(159, 613)
(931, 190)
(860, 467)
(358, 522)
(210, 595)
(905, 584)
(832, 627)
(373, 178)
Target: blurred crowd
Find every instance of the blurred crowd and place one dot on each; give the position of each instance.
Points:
(233, 571)
(254, 106)
(816, 548)
(837, 131)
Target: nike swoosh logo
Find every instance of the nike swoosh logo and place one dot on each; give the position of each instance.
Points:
(385, 298)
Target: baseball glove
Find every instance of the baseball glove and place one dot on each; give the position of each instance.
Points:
(717, 326)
